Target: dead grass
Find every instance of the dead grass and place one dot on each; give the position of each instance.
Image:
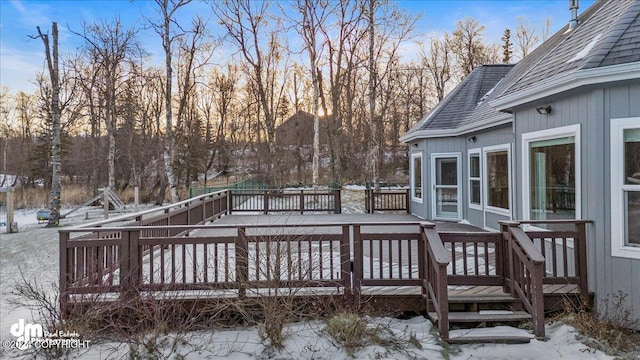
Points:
(612, 328)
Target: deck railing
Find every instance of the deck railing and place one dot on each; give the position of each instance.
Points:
(525, 273)
(386, 200)
(386, 256)
(159, 254)
(270, 201)
(435, 283)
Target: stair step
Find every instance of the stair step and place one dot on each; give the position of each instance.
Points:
(483, 299)
(498, 334)
(484, 316)
(489, 340)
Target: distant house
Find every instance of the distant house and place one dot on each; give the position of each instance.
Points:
(297, 130)
(556, 136)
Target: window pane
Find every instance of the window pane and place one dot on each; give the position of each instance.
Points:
(447, 171)
(632, 156)
(475, 192)
(498, 179)
(417, 177)
(553, 174)
(474, 166)
(632, 217)
(446, 202)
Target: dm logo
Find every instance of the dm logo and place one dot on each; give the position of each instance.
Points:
(25, 333)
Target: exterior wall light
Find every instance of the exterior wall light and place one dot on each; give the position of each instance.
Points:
(544, 110)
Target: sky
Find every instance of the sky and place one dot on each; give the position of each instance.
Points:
(21, 57)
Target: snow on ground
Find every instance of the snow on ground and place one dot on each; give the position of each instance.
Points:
(33, 253)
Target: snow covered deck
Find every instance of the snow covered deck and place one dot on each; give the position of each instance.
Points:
(196, 249)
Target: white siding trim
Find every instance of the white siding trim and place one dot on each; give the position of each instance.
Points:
(618, 246)
(492, 209)
(476, 151)
(434, 201)
(417, 154)
(527, 138)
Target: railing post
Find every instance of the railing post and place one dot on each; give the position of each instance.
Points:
(135, 260)
(337, 201)
(408, 201)
(357, 259)
(507, 256)
(301, 201)
(345, 260)
(538, 299)
(64, 296)
(242, 262)
(229, 202)
(366, 201)
(265, 205)
(130, 269)
(581, 258)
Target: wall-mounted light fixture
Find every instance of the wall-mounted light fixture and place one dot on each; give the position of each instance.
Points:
(544, 109)
(471, 139)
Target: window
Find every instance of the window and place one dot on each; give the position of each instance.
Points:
(551, 175)
(625, 187)
(497, 179)
(416, 177)
(475, 185)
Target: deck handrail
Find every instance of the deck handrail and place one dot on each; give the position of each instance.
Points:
(435, 286)
(286, 200)
(525, 271)
(156, 212)
(388, 200)
(559, 269)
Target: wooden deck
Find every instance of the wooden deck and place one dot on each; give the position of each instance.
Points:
(197, 249)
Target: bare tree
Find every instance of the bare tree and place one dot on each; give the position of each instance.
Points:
(111, 46)
(168, 9)
(526, 37)
(545, 29)
(246, 23)
(54, 73)
(313, 14)
(438, 63)
(468, 46)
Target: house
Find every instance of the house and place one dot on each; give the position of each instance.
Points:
(554, 137)
(297, 130)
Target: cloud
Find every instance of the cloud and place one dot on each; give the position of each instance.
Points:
(18, 5)
(19, 68)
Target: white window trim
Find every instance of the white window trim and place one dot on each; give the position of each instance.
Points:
(476, 151)
(413, 185)
(548, 134)
(458, 157)
(618, 187)
(485, 190)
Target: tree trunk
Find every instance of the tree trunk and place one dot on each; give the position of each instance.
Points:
(373, 149)
(52, 64)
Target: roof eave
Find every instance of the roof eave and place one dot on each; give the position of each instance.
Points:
(462, 130)
(568, 82)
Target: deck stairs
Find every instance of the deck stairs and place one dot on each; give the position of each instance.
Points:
(486, 318)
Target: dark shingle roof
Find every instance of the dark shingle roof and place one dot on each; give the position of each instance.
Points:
(608, 34)
(453, 110)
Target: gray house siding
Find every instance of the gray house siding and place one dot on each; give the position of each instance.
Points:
(592, 109)
(496, 136)
(613, 274)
